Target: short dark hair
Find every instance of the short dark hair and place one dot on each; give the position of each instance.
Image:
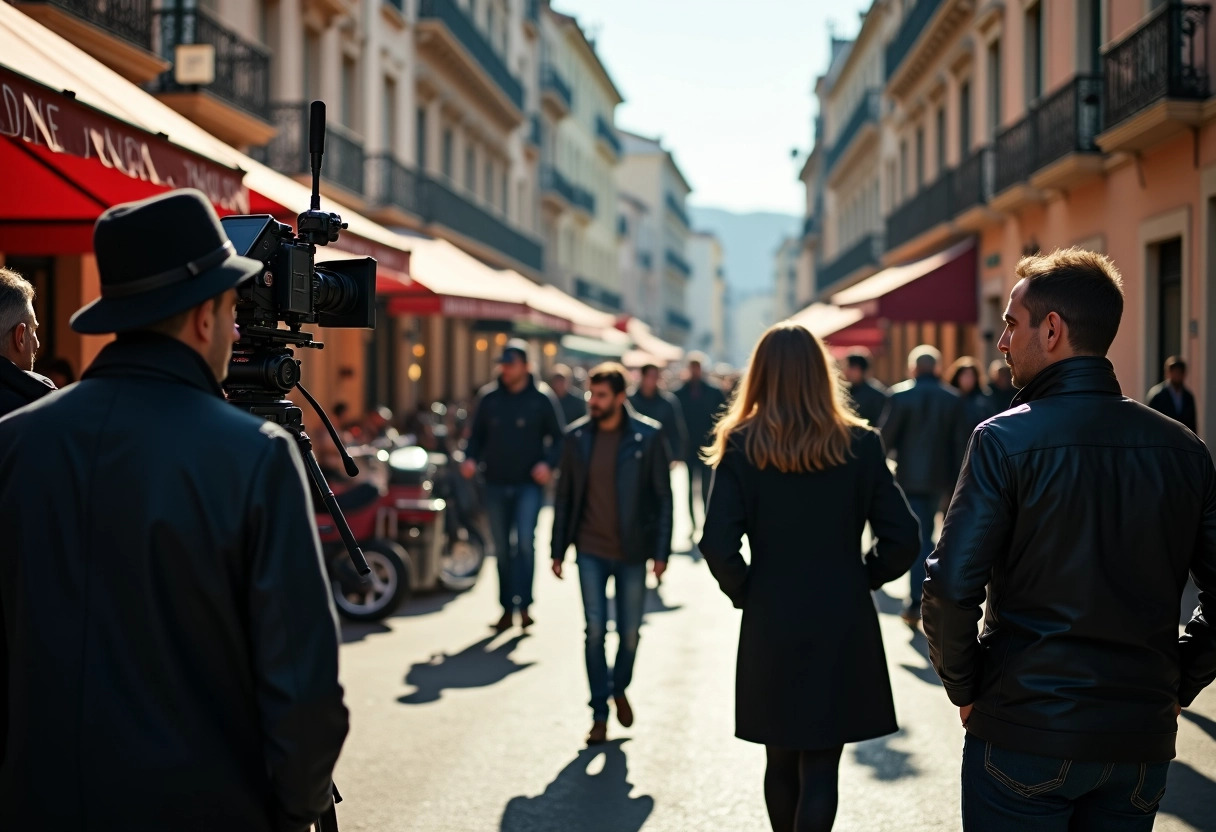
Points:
(646, 368)
(1083, 287)
(1175, 362)
(858, 360)
(612, 374)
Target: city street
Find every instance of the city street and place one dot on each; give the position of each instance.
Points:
(453, 729)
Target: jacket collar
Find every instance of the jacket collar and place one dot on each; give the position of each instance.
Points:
(27, 384)
(151, 355)
(630, 429)
(1082, 374)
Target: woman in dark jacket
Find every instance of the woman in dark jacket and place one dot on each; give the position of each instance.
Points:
(800, 475)
(967, 376)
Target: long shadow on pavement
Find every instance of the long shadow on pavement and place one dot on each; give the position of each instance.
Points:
(428, 604)
(1190, 795)
(586, 802)
(472, 667)
(887, 763)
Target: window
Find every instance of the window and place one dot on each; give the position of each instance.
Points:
(940, 139)
(470, 169)
(312, 64)
(1169, 300)
(964, 119)
(489, 175)
(1034, 53)
(420, 139)
(388, 110)
(502, 193)
(920, 158)
(994, 88)
(1089, 36)
(449, 162)
(350, 91)
(903, 171)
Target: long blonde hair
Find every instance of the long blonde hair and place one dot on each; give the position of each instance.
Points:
(790, 409)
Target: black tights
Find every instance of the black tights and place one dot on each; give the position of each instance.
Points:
(800, 789)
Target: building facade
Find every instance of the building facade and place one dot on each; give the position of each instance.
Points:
(786, 290)
(707, 296)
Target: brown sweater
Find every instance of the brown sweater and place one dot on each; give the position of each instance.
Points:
(600, 532)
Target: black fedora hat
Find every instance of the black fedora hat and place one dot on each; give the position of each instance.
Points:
(159, 257)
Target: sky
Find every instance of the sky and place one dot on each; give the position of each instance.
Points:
(728, 86)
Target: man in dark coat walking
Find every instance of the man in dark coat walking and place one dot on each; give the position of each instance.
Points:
(1172, 398)
(516, 440)
(925, 430)
(702, 402)
(1077, 518)
(569, 398)
(869, 397)
(614, 504)
(173, 648)
(19, 384)
(653, 402)
(1000, 386)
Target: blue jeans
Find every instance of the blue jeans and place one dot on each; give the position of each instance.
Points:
(514, 508)
(924, 506)
(1009, 791)
(630, 580)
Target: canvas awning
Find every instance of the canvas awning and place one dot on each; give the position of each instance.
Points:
(941, 287)
(840, 326)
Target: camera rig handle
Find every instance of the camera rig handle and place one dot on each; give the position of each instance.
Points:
(314, 225)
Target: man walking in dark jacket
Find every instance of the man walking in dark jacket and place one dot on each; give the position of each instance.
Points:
(172, 645)
(701, 401)
(515, 439)
(925, 430)
(19, 384)
(569, 398)
(655, 403)
(1171, 396)
(614, 505)
(1077, 516)
(869, 396)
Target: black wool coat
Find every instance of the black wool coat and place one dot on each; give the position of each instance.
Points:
(811, 673)
(20, 387)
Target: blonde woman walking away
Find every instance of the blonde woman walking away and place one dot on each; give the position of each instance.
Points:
(800, 475)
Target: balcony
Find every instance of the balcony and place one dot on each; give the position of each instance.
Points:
(235, 107)
(606, 138)
(557, 192)
(452, 42)
(536, 135)
(583, 202)
(930, 210)
(556, 97)
(586, 290)
(394, 189)
(532, 16)
(677, 263)
(864, 255)
(1157, 78)
(287, 152)
(974, 184)
(811, 228)
(677, 210)
(443, 206)
(116, 32)
(678, 320)
(863, 120)
(924, 31)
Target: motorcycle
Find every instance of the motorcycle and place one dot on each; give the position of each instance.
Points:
(378, 594)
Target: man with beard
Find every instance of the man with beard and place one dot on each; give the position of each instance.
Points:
(613, 504)
(19, 384)
(1077, 518)
(172, 644)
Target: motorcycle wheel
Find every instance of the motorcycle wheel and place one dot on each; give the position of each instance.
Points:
(462, 560)
(388, 584)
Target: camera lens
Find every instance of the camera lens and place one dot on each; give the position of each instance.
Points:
(334, 293)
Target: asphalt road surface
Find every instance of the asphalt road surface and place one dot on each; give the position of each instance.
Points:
(454, 729)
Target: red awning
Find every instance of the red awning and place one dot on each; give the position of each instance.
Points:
(841, 326)
(941, 288)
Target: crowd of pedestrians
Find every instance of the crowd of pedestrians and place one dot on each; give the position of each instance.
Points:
(191, 630)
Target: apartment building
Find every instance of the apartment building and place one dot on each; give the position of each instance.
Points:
(648, 172)
(785, 278)
(634, 251)
(580, 151)
(706, 299)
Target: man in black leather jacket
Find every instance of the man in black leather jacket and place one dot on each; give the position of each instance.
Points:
(614, 504)
(19, 384)
(925, 430)
(172, 645)
(1079, 513)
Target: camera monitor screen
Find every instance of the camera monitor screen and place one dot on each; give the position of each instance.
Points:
(244, 231)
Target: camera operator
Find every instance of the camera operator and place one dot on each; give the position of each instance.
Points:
(19, 384)
(173, 649)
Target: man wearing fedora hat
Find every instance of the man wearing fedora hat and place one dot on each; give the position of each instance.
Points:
(172, 644)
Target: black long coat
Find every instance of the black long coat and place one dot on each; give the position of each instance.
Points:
(811, 671)
(172, 645)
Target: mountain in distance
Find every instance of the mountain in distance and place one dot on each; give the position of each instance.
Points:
(749, 244)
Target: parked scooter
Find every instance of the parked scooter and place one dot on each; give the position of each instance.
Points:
(378, 594)
(465, 546)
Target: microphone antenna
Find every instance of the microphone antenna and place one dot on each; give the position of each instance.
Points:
(316, 149)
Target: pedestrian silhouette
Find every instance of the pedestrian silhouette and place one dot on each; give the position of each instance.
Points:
(586, 802)
(1190, 795)
(888, 764)
(472, 667)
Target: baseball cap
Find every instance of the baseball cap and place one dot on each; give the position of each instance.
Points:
(515, 350)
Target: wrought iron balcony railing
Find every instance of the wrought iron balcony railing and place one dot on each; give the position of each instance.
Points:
(551, 179)
(1167, 57)
(536, 133)
(442, 205)
(242, 69)
(583, 199)
(552, 81)
(130, 20)
(674, 206)
(394, 184)
(678, 320)
(810, 226)
(586, 290)
(604, 132)
(866, 112)
(931, 207)
(678, 263)
(465, 31)
(1015, 154)
(909, 32)
(1069, 120)
(288, 150)
(974, 181)
(865, 252)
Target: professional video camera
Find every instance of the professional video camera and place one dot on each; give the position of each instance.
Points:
(294, 290)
